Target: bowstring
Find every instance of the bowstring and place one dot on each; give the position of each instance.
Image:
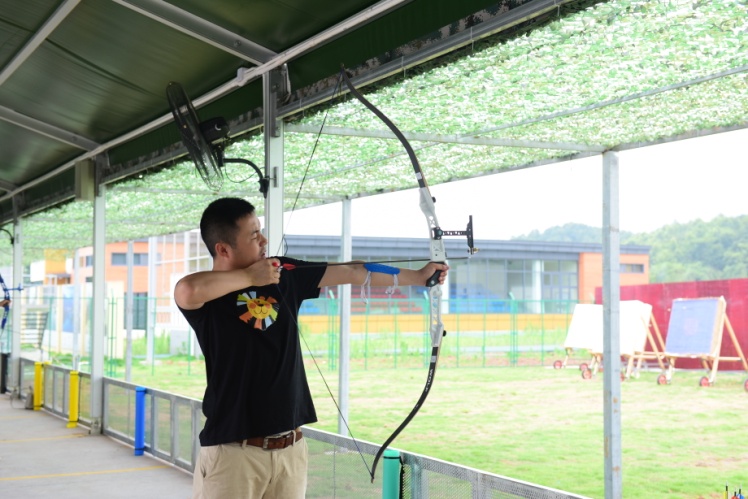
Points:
(335, 93)
(324, 380)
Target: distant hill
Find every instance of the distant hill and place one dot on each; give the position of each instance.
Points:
(693, 251)
(568, 233)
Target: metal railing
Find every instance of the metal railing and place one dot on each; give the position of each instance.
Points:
(336, 463)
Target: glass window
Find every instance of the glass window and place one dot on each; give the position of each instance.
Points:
(515, 265)
(139, 311)
(559, 284)
(138, 259)
(516, 285)
(568, 266)
(632, 268)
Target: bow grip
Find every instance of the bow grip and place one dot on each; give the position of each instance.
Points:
(434, 279)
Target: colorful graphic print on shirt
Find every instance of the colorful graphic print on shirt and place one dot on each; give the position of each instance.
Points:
(261, 311)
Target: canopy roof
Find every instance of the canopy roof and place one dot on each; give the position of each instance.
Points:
(479, 87)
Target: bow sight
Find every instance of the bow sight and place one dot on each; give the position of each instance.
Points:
(438, 233)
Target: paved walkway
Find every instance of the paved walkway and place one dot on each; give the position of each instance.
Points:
(41, 457)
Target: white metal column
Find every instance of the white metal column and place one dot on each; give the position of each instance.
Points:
(537, 286)
(98, 301)
(15, 352)
(611, 328)
(76, 309)
(129, 308)
(273, 164)
(344, 354)
(152, 307)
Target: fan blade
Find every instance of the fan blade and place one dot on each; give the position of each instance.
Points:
(199, 149)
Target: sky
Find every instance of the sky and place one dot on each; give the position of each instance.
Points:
(681, 181)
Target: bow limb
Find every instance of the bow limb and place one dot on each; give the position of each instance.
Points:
(438, 254)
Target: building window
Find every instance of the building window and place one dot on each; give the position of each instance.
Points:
(138, 259)
(632, 268)
(560, 287)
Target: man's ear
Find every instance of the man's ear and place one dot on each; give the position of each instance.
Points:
(222, 250)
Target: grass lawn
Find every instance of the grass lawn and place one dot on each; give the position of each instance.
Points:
(540, 425)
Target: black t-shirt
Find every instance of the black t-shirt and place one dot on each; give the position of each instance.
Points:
(256, 380)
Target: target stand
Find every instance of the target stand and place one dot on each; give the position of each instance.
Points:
(695, 331)
(637, 330)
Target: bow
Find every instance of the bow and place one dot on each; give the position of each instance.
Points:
(438, 254)
(6, 307)
(6, 291)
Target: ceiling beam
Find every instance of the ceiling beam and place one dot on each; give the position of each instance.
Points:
(473, 139)
(43, 128)
(197, 27)
(7, 186)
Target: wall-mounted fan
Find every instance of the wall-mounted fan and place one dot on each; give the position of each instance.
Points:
(205, 140)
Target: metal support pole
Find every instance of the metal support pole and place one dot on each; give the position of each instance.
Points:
(273, 164)
(152, 307)
(611, 328)
(344, 291)
(98, 334)
(15, 350)
(129, 310)
(76, 309)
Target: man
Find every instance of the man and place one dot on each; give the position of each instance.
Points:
(244, 313)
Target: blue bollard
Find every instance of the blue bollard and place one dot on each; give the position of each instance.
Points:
(139, 420)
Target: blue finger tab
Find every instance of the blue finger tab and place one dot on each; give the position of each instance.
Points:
(382, 269)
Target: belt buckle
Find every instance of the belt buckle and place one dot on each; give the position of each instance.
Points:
(284, 437)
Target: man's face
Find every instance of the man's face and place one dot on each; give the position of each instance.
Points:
(249, 246)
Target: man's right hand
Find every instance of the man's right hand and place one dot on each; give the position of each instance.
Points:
(264, 272)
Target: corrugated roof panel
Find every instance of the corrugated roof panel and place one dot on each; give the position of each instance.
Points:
(20, 148)
(106, 68)
(275, 24)
(19, 20)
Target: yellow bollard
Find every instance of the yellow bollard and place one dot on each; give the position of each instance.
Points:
(74, 399)
(38, 384)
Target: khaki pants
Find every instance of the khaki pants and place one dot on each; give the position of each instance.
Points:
(231, 471)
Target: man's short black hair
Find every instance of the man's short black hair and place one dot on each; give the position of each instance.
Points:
(218, 223)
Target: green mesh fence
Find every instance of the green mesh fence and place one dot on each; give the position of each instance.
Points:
(388, 333)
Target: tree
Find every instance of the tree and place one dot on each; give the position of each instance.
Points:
(693, 251)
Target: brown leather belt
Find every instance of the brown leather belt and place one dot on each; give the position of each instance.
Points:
(272, 443)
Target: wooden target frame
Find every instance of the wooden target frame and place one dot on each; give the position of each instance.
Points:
(695, 331)
(638, 329)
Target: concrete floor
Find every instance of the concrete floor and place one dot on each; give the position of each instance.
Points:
(41, 457)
